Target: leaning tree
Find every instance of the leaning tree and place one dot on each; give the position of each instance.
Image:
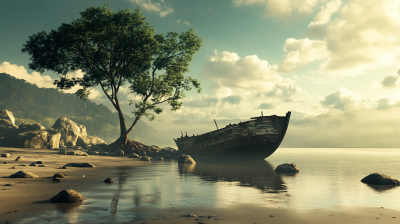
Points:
(114, 49)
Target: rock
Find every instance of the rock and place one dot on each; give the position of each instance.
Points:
(145, 158)
(7, 123)
(134, 155)
(186, 159)
(33, 164)
(41, 165)
(89, 140)
(142, 153)
(287, 168)
(118, 153)
(23, 174)
(27, 127)
(108, 180)
(69, 130)
(67, 196)
(76, 153)
(39, 162)
(5, 155)
(380, 179)
(39, 139)
(79, 165)
(4, 162)
(59, 175)
(19, 158)
(57, 179)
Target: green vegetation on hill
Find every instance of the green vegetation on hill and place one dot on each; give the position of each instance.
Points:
(31, 104)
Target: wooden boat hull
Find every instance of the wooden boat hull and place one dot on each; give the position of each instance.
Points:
(254, 139)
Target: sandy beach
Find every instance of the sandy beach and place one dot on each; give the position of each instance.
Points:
(21, 199)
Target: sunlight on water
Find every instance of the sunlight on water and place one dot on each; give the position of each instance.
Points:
(328, 178)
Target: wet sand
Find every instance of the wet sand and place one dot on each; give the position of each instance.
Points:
(21, 199)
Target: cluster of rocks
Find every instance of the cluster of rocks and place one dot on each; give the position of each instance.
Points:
(62, 134)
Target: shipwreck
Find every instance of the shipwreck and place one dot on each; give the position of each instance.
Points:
(255, 139)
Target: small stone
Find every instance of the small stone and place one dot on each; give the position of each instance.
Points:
(19, 158)
(5, 155)
(41, 165)
(67, 196)
(57, 179)
(134, 155)
(33, 164)
(59, 175)
(39, 162)
(287, 168)
(380, 179)
(108, 180)
(80, 165)
(5, 163)
(23, 174)
(145, 158)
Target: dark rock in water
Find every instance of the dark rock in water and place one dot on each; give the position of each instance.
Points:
(380, 179)
(287, 168)
(59, 175)
(19, 158)
(118, 153)
(134, 155)
(39, 162)
(67, 196)
(5, 155)
(33, 164)
(57, 179)
(108, 180)
(23, 174)
(80, 165)
(145, 158)
(186, 159)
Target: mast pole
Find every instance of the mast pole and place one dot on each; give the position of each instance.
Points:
(216, 124)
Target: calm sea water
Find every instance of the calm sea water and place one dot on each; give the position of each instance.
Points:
(328, 178)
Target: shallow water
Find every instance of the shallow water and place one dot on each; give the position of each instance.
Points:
(328, 179)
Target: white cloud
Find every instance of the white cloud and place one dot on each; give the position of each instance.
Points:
(342, 99)
(391, 81)
(365, 36)
(178, 21)
(186, 22)
(20, 72)
(324, 16)
(300, 52)
(282, 9)
(148, 5)
(283, 91)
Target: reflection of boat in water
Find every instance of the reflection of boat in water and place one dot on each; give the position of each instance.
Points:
(258, 174)
(254, 139)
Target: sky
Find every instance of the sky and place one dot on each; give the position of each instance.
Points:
(334, 64)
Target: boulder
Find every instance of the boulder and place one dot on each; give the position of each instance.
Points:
(23, 174)
(27, 127)
(67, 196)
(89, 140)
(5, 155)
(69, 130)
(19, 158)
(38, 139)
(80, 165)
(7, 123)
(287, 168)
(186, 159)
(380, 179)
(108, 180)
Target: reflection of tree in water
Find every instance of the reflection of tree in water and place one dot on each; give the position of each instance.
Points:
(258, 174)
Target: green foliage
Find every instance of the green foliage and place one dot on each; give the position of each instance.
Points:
(116, 48)
(31, 104)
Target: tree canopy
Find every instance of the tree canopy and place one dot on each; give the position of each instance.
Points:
(117, 48)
